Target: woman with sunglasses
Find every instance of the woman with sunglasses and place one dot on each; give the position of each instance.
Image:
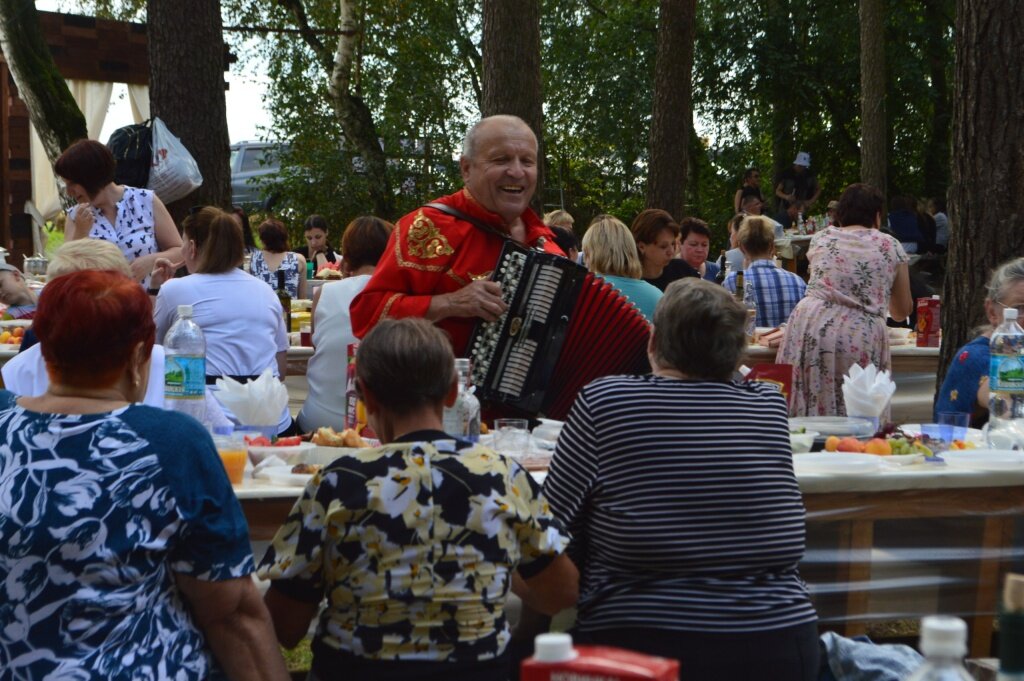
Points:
(965, 388)
(134, 219)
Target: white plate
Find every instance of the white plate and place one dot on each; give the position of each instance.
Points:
(974, 435)
(282, 475)
(986, 459)
(802, 442)
(905, 459)
(833, 425)
(839, 463)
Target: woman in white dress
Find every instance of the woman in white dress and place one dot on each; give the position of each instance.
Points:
(134, 219)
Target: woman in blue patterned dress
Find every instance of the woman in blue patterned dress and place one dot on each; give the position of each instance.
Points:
(275, 257)
(123, 551)
(134, 219)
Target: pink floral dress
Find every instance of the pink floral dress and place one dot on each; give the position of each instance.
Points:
(841, 320)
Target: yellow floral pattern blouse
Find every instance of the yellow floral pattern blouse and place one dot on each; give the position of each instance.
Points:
(413, 545)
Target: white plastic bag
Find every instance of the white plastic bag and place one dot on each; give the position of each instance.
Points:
(174, 173)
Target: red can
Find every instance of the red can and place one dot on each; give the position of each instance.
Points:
(600, 663)
(929, 330)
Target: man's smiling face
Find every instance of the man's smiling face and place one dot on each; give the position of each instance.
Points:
(502, 173)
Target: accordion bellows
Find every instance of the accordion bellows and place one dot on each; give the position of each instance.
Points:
(564, 328)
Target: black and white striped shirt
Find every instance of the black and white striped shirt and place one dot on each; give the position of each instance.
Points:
(683, 506)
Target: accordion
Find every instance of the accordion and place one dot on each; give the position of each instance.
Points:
(563, 328)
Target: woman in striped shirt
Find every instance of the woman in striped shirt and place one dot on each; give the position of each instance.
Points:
(687, 531)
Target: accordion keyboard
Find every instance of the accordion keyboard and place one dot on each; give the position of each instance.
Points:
(543, 290)
(509, 272)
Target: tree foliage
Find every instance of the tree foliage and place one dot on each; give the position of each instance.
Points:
(769, 79)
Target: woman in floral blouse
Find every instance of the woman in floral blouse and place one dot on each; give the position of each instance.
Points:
(123, 550)
(414, 544)
(858, 274)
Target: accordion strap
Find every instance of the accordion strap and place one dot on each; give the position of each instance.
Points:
(456, 213)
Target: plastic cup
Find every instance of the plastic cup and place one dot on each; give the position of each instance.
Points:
(234, 455)
(953, 424)
(306, 336)
(512, 437)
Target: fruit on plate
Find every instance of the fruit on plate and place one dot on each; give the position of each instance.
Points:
(879, 446)
(850, 444)
(960, 444)
(831, 443)
(903, 445)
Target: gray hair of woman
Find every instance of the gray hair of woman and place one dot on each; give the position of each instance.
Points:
(699, 330)
(1003, 277)
(1009, 274)
(406, 364)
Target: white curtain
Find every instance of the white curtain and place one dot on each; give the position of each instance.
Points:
(93, 98)
(138, 96)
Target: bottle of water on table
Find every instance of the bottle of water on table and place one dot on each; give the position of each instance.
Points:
(944, 644)
(1006, 384)
(462, 419)
(185, 366)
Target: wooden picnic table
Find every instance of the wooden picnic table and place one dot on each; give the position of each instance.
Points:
(897, 544)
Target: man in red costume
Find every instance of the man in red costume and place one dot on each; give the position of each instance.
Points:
(437, 265)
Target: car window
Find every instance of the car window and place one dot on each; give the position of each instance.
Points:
(234, 158)
(251, 160)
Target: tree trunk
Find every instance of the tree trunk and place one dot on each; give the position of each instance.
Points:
(873, 143)
(511, 70)
(355, 117)
(671, 119)
(986, 195)
(51, 108)
(778, 92)
(936, 152)
(186, 90)
(353, 114)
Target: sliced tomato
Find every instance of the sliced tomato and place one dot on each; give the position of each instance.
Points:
(288, 441)
(258, 441)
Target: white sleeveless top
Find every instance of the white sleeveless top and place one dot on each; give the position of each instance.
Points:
(325, 405)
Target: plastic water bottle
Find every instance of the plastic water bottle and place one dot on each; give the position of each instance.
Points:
(462, 419)
(185, 367)
(943, 644)
(1005, 428)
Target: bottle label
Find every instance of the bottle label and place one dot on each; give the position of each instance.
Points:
(1006, 373)
(184, 377)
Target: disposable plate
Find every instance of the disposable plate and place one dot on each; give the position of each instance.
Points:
(986, 459)
(834, 425)
(283, 476)
(974, 435)
(838, 463)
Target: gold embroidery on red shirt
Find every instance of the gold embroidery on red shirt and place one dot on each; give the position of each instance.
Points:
(426, 240)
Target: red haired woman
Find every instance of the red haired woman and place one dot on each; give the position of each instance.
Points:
(123, 543)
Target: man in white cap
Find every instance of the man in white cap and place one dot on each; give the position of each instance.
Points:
(797, 185)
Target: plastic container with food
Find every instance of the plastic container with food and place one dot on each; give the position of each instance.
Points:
(291, 454)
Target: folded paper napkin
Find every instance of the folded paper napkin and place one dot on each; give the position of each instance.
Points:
(257, 403)
(867, 391)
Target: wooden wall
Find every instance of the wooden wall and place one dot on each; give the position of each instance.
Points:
(84, 48)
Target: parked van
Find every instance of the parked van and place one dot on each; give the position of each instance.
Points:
(254, 166)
